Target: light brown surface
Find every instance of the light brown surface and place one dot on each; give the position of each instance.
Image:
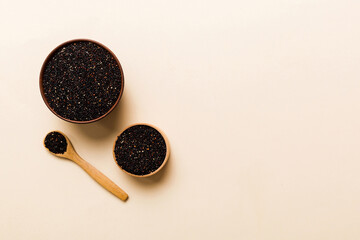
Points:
(98, 176)
(260, 101)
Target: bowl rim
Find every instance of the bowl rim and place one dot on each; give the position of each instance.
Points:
(49, 57)
(166, 156)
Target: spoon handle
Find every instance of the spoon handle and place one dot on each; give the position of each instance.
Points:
(100, 178)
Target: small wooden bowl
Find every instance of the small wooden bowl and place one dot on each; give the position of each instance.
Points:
(50, 56)
(166, 156)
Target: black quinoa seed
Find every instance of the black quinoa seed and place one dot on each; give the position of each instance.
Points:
(81, 81)
(140, 150)
(55, 142)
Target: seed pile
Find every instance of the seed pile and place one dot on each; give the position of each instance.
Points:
(81, 81)
(140, 150)
(55, 142)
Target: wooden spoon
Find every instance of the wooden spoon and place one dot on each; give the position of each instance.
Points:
(99, 177)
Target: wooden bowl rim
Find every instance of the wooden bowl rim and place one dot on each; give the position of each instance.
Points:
(166, 156)
(49, 57)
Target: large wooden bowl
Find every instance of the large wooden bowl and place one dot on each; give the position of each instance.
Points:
(50, 56)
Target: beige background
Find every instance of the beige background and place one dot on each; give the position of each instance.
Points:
(260, 100)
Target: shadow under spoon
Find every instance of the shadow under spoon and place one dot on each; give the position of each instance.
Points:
(59, 145)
